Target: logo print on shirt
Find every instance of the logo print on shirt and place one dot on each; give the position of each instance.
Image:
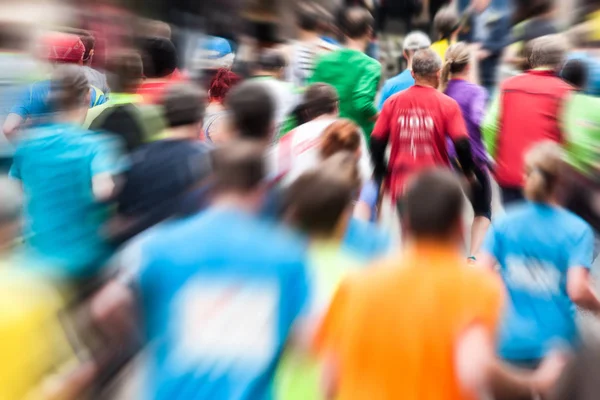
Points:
(537, 277)
(416, 132)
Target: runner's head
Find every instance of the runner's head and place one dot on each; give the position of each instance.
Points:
(319, 202)
(426, 68)
(458, 59)
(548, 52)
(446, 23)
(159, 57)
(221, 83)
(320, 99)
(575, 72)
(432, 207)
(62, 48)
(342, 135)
(70, 93)
(414, 42)
(357, 24)
(308, 17)
(543, 164)
(238, 172)
(252, 111)
(270, 63)
(11, 203)
(124, 71)
(89, 42)
(184, 109)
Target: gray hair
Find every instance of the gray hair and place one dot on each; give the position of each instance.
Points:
(11, 201)
(548, 51)
(426, 63)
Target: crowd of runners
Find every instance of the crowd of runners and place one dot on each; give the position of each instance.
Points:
(279, 221)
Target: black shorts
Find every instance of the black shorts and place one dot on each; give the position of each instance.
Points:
(481, 194)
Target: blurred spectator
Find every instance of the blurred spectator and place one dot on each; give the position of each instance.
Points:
(159, 58)
(32, 341)
(584, 50)
(214, 54)
(218, 315)
(446, 26)
(68, 174)
(217, 126)
(545, 256)
(96, 78)
(540, 91)
(575, 72)
(353, 74)
(413, 42)
(252, 109)
(319, 204)
(57, 48)
(164, 171)
(489, 32)
(433, 281)
(124, 115)
(269, 71)
(472, 100)
(304, 51)
(17, 70)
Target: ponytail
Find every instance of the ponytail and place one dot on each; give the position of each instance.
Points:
(341, 135)
(445, 73)
(458, 57)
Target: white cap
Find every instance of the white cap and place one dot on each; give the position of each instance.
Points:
(416, 40)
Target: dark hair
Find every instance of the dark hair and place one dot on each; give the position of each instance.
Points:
(308, 17)
(575, 72)
(183, 105)
(68, 88)
(341, 135)
(445, 22)
(433, 204)
(221, 83)
(159, 57)
(124, 71)
(319, 99)
(238, 166)
(89, 42)
(316, 201)
(271, 60)
(13, 35)
(356, 22)
(252, 110)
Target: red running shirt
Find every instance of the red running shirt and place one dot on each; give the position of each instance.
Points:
(416, 122)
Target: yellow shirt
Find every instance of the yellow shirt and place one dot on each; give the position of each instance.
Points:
(440, 47)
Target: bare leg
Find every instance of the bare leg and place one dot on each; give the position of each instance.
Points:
(478, 231)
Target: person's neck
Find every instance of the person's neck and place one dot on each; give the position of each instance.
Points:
(425, 83)
(265, 74)
(185, 132)
(75, 117)
(461, 75)
(357, 44)
(325, 117)
(235, 201)
(307, 36)
(441, 245)
(409, 64)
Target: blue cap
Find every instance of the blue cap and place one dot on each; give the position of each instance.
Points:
(214, 52)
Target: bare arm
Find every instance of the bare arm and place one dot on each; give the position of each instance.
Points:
(11, 126)
(579, 288)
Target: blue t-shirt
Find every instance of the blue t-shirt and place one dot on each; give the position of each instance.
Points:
(220, 292)
(395, 85)
(535, 246)
(369, 195)
(593, 65)
(34, 101)
(366, 240)
(64, 222)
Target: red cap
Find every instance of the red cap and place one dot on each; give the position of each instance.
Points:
(62, 47)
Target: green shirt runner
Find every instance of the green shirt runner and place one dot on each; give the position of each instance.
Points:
(581, 121)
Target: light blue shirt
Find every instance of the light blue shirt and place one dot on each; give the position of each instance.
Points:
(64, 222)
(593, 64)
(220, 292)
(535, 246)
(394, 85)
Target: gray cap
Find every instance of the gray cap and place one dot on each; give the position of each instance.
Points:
(416, 40)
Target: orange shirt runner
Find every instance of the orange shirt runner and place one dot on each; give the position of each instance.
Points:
(392, 331)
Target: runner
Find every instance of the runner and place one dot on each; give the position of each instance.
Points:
(413, 42)
(163, 172)
(218, 315)
(472, 101)
(216, 124)
(304, 51)
(417, 122)
(545, 254)
(447, 27)
(159, 57)
(319, 204)
(124, 115)
(437, 342)
(353, 74)
(57, 49)
(507, 134)
(68, 175)
(252, 109)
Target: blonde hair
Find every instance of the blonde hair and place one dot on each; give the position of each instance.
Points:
(458, 56)
(543, 164)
